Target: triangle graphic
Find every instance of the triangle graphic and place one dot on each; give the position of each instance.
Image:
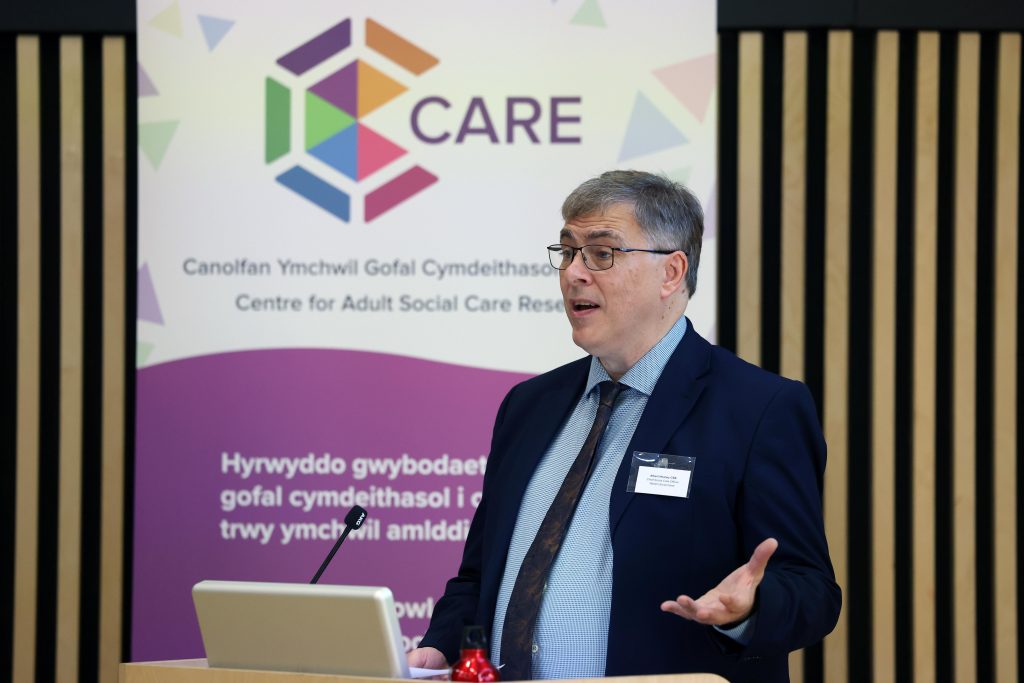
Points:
(168, 21)
(214, 29)
(142, 351)
(692, 82)
(149, 307)
(340, 88)
(146, 87)
(375, 89)
(589, 14)
(340, 152)
(323, 120)
(154, 138)
(375, 152)
(648, 131)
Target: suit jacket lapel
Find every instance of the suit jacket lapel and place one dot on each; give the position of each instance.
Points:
(675, 394)
(546, 417)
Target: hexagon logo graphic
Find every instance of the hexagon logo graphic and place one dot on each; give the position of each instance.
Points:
(332, 128)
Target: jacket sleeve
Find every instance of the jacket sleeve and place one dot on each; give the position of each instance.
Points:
(458, 607)
(798, 601)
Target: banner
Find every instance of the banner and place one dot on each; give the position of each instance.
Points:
(343, 214)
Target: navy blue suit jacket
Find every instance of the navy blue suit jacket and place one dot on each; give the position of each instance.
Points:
(760, 459)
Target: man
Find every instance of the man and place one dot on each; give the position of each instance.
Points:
(727, 570)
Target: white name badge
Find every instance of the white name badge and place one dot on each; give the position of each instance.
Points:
(663, 481)
(660, 474)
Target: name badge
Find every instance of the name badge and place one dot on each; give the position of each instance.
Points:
(660, 474)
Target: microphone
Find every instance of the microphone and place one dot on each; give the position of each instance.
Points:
(353, 520)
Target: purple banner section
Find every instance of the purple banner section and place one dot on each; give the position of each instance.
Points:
(247, 462)
(309, 54)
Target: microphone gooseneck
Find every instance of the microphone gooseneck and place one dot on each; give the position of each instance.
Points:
(353, 520)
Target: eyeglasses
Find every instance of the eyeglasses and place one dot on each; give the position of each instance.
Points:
(595, 256)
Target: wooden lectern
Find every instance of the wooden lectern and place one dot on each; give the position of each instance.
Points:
(196, 671)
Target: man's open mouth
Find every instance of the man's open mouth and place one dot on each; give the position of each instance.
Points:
(583, 306)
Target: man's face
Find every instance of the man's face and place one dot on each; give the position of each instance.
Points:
(616, 314)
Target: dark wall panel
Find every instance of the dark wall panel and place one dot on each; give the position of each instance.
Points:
(68, 16)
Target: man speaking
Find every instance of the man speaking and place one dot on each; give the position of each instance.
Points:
(656, 506)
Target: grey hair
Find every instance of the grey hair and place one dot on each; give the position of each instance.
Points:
(667, 212)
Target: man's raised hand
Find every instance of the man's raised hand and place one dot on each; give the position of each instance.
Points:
(730, 601)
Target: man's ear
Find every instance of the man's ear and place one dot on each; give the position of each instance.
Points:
(676, 268)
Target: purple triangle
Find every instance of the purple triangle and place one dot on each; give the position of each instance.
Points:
(146, 87)
(149, 307)
(341, 89)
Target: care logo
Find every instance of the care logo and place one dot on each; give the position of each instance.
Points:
(332, 128)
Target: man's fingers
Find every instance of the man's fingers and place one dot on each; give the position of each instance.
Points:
(762, 553)
(683, 606)
(427, 658)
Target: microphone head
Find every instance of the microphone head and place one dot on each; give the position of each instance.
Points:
(355, 517)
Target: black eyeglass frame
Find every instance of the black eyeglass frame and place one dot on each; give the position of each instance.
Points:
(559, 248)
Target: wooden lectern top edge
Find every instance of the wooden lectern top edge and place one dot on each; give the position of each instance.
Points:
(197, 671)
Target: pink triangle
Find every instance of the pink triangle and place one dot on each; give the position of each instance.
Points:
(692, 82)
(375, 152)
(148, 306)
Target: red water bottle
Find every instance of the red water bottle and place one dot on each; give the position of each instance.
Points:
(473, 664)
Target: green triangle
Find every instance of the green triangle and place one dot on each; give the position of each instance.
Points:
(154, 138)
(142, 351)
(589, 14)
(169, 20)
(323, 120)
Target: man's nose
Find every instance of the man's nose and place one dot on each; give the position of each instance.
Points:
(577, 269)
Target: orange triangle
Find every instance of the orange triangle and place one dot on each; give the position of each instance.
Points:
(692, 82)
(375, 89)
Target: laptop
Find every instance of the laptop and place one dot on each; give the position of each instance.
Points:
(300, 627)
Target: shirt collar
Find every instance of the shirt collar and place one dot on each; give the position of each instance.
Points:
(645, 373)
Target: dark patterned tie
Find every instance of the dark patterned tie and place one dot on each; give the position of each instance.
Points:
(524, 603)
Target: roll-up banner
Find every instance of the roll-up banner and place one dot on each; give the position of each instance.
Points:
(343, 214)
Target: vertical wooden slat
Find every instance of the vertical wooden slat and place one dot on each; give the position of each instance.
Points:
(748, 237)
(113, 389)
(1004, 400)
(925, 281)
(837, 302)
(964, 272)
(794, 179)
(883, 354)
(69, 531)
(27, 421)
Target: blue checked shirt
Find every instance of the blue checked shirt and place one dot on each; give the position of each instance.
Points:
(571, 635)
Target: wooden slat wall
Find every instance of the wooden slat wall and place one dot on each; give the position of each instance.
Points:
(112, 527)
(923, 514)
(883, 343)
(1005, 354)
(793, 236)
(27, 436)
(837, 316)
(965, 246)
(54, 617)
(749, 223)
(924, 335)
(69, 527)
